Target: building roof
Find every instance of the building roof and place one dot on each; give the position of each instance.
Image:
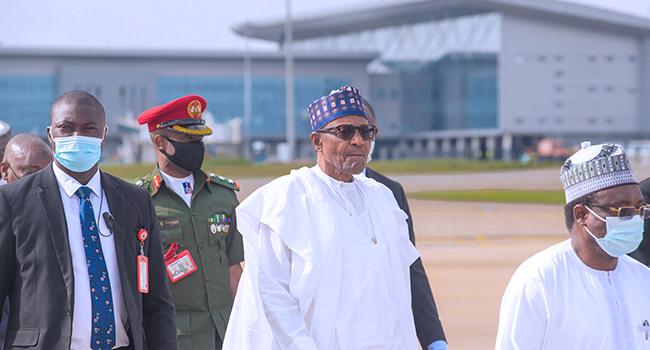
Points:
(430, 10)
(180, 54)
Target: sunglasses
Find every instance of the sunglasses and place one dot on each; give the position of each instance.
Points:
(627, 213)
(347, 131)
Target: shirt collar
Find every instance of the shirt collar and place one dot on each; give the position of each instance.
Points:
(169, 178)
(200, 180)
(70, 185)
(330, 181)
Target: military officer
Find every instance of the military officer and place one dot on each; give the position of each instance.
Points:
(196, 214)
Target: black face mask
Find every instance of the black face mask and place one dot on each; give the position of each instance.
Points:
(187, 155)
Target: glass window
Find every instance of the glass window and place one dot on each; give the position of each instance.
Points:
(25, 102)
(407, 94)
(419, 94)
(225, 97)
(380, 94)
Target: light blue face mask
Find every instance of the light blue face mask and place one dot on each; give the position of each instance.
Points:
(78, 153)
(623, 236)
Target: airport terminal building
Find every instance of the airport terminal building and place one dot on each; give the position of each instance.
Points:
(447, 78)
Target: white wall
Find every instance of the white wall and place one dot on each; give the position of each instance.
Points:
(555, 78)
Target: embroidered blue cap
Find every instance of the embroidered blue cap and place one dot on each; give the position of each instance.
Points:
(339, 103)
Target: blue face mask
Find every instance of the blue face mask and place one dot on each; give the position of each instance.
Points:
(623, 236)
(78, 153)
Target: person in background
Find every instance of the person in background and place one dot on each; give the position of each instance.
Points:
(196, 212)
(24, 154)
(643, 252)
(585, 293)
(425, 313)
(80, 251)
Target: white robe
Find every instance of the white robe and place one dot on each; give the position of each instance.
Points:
(322, 284)
(554, 301)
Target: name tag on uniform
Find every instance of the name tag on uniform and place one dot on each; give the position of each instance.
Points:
(180, 265)
(169, 223)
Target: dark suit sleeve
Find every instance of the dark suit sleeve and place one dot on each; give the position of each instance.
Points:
(425, 312)
(6, 263)
(643, 252)
(158, 314)
(7, 256)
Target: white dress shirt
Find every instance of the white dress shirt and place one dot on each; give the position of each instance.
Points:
(555, 301)
(349, 196)
(82, 310)
(176, 185)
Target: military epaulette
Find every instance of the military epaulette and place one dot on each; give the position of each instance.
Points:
(142, 183)
(148, 184)
(220, 180)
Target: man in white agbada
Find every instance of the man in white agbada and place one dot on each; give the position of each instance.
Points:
(585, 293)
(327, 250)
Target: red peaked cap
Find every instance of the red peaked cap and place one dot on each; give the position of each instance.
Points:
(182, 115)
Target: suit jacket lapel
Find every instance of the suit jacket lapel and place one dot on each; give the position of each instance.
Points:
(117, 205)
(50, 196)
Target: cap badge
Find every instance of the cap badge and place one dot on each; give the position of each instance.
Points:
(194, 109)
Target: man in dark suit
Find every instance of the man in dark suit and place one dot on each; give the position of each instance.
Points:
(643, 252)
(73, 248)
(427, 324)
(25, 154)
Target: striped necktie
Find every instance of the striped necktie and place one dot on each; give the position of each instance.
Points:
(103, 318)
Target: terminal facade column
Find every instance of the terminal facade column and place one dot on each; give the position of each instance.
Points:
(445, 147)
(506, 146)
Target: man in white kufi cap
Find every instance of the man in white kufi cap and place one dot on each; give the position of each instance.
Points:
(585, 293)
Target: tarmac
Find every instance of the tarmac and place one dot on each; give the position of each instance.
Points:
(470, 250)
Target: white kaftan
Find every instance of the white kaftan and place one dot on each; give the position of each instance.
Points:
(314, 278)
(554, 301)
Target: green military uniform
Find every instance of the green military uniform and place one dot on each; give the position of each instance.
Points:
(208, 231)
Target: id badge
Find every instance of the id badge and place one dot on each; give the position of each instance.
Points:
(143, 274)
(180, 266)
(143, 264)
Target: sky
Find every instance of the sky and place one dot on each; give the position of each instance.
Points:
(175, 24)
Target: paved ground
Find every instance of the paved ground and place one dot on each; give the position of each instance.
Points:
(470, 250)
(468, 280)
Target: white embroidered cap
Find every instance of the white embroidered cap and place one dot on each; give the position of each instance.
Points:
(595, 168)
